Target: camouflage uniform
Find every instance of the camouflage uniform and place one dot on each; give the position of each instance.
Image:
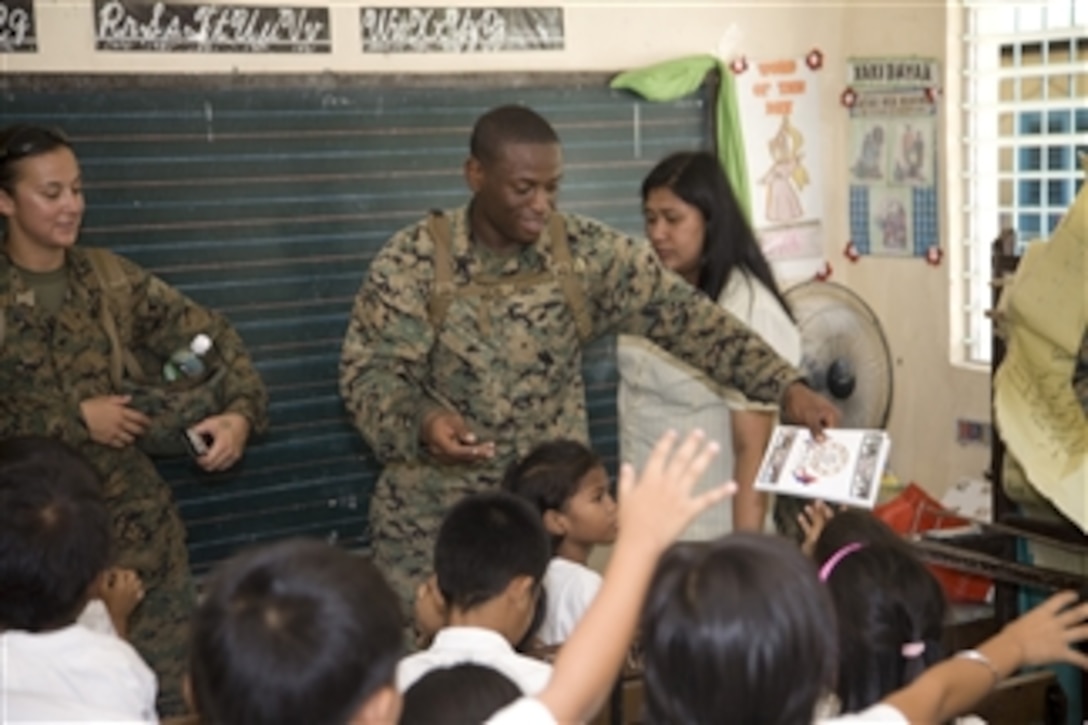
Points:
(509, 362)
(50, 363)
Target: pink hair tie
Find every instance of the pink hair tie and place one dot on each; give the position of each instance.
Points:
(912, 650)
(834, 559)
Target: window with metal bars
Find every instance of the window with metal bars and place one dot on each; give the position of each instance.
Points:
(1025, 118)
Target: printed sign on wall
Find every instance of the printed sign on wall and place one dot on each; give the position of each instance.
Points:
(893, 156)
(460, 30)
(139, 25)
(779, 103)
(17, 32)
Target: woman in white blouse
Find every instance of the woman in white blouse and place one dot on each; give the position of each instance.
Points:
(698, 230)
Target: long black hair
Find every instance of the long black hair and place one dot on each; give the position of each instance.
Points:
(697, 178)
(738, 629)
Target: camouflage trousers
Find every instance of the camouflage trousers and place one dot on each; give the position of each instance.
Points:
(150, 538)
(406, 512)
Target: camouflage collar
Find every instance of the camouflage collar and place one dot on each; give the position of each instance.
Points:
(471, 258)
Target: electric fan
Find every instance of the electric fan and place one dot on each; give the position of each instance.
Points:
(843, 352)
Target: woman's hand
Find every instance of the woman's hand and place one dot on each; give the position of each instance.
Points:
(229, 433)
(111, 422)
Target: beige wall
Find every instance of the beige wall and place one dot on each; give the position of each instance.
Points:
(910, 297)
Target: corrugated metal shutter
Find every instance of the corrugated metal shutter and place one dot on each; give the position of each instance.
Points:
(267, 198)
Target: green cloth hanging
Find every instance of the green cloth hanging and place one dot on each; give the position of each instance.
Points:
(675, 79)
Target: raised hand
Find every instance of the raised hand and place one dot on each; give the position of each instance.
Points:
(658, 506)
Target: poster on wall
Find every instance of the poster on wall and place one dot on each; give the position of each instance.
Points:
(892, 161)
(17, 30)
(779, 104)
(460, 29)
(182, 27)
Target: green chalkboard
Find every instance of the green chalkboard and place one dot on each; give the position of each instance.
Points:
(266, 197)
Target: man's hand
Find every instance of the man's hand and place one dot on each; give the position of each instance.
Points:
(802, 406)
(447, 437)
(111, 422)
(229, 433)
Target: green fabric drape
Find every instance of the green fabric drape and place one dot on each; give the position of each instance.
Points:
(674, 79)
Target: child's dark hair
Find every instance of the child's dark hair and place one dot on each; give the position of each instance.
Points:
(464, 693)
(852, 526)
(549, 476)
(737, 628)
(297, 631)
(54, 533)
(21, 141)
(890, 609)
(484, 543)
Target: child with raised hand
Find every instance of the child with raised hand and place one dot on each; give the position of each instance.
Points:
(654, 507)
(890, 613)
(301, 631)
(567, 483)
(743, 628)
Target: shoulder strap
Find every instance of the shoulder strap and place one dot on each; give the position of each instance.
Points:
(438, 227)
(116, 299)
(568, 280)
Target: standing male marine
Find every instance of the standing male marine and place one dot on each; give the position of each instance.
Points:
(464, 346)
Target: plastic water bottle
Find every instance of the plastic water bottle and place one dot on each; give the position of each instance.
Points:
(188, 362)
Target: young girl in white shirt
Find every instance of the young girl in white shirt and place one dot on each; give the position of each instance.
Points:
(569, 485)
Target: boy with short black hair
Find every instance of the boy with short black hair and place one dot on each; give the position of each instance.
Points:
(297, 631)
(323, 686)
(54, 545)
(489, 560)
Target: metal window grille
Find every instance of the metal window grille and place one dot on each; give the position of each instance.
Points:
(1025, 116)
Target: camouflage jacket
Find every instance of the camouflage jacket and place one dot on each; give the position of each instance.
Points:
(510, 361)
(50, 363)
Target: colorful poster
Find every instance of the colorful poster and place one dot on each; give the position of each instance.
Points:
(893, 156)
(780, 117)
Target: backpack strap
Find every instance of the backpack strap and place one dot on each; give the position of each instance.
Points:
(116, 298)
(568, 280)
(438, 226)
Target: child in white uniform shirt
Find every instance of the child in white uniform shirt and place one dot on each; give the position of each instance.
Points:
(302, 631)
(741, 628)
(489, 559)
(568, 485)
(54, 540)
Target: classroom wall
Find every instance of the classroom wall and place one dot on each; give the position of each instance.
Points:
(910, 297)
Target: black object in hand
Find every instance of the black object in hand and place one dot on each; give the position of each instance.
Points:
(197, 443)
